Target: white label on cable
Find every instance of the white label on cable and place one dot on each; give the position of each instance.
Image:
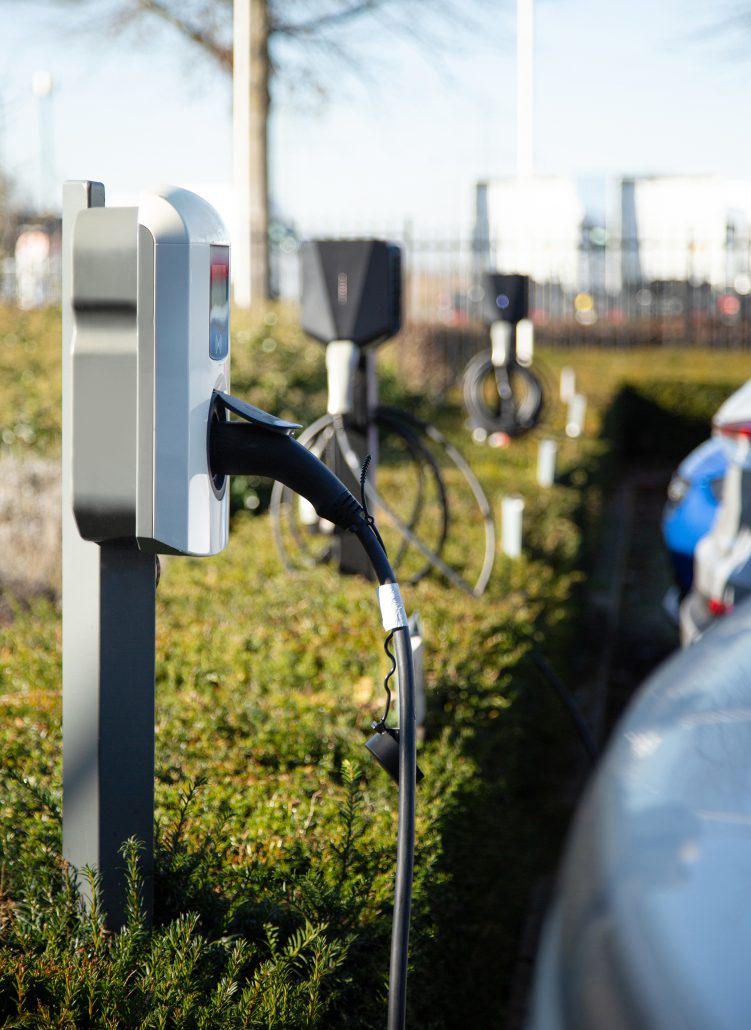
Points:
(392, 607)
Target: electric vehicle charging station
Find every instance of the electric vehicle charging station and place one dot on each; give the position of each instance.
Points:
(148, 445)
(501, 392)
(351, 302)
(145, 347)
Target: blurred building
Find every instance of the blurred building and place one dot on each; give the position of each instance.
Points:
(682, 228)
(656, 229)
(531, 225)
(30, 269)
(37, 266)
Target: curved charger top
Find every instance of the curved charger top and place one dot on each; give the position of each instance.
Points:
(175, 215)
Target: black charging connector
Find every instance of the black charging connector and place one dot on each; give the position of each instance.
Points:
(261, 445)
(384, 747)
(236, 447)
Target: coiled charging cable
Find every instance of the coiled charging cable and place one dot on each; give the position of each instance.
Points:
(506, 398)
(262, 446)
(413, 433)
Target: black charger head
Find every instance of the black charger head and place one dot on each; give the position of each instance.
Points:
(384, 747)
(351, 290)
(506, 297)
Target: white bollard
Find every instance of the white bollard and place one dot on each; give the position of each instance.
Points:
(568, 384)
(546, 455)
(512, 510)
(525, 342)
(577, 411)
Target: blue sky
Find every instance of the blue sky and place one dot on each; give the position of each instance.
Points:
(622, 87)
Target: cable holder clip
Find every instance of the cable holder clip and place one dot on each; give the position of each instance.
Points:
(384, 744)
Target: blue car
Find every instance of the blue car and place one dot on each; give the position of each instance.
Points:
(694, 496)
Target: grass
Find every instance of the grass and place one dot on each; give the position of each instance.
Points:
(275, 834)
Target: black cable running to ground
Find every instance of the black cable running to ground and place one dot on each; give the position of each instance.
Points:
(405, 841)
(242, 448)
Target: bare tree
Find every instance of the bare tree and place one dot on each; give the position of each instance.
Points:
(9, 213)
(292, 40)
(272, 28)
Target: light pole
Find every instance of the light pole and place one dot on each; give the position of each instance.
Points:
(524, 88)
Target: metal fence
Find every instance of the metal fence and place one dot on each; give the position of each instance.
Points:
(24, 288)
(607, 291)
(604, 296)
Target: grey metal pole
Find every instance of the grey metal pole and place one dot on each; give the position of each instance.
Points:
(108, 663)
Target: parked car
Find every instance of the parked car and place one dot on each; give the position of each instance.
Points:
(722, 559)
(648, 927)
(694, 496)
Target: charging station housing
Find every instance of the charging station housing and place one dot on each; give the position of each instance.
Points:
(505, 297)
(145, 348)
(351, 290)
(150, 296)
(146, 445)
(351, 302)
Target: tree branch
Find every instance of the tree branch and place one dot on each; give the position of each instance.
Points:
(324, 21)
(202, 34)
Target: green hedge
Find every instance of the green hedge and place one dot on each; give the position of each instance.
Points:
(275, 835)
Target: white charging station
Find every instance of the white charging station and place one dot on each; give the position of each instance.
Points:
(145, 352)
(150, 295)
(147, 443)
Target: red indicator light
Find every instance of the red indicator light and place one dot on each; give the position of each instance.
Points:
(718, 607)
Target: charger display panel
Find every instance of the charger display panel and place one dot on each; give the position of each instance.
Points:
(219, 302)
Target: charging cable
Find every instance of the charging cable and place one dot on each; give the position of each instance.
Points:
(415, 435)
(515, 392)
(261, 445)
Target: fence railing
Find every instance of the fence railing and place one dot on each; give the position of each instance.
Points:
(608, 292)
(693, 292)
